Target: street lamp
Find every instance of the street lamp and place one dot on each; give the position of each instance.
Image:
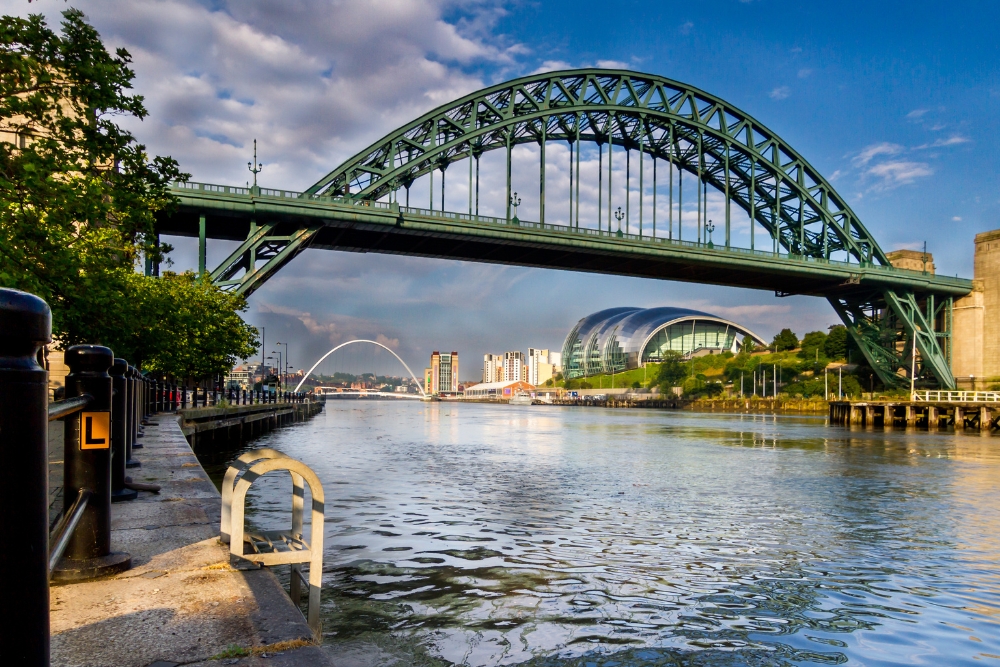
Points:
(710, 228)
(278, 352)
(286, 363)
(515, 201)
(619, 216)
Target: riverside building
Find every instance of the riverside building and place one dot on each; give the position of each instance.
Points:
(619, 339)
(442, 376)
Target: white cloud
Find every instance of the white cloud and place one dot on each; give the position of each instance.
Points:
(874, 150)
(780, 93)
(953, 140)
(898, 172)
(686, 28)
(916, 113)
(313, 81)
(613, 64)
(552, 66)
(956, 218)
(804, 72)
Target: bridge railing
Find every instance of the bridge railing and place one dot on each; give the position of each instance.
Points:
(935, 396)
(451, 215)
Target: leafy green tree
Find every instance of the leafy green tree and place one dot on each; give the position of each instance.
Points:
(78, 195)
(835, 345)
(185, 327)
(78, 203)
(812, 345)
(672, 372)
(785, 340)
(747, 347)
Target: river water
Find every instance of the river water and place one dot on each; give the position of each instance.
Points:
(495, 535)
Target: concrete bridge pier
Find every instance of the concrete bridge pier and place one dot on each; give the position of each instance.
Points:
(959, 419)
(933, 420)
(984, 418)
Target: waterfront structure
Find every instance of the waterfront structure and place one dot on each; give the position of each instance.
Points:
(539, 367)
(514, 369)
(803, 236)
(975, 356)
(619, 339)
(442, 376)
(498, 390)
(492, 367)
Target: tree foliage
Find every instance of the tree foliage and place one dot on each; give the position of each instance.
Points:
(78, 203)
(672, 372)
(785, 340)
(835, 345)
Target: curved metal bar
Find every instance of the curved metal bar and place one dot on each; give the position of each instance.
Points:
(241, 464)
(422, 392)
(696, 131)
(290, 558)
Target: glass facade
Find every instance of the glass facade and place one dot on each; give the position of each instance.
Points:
(619, 339)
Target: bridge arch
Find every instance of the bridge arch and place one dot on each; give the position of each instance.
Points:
(361, 340)
(693, 131)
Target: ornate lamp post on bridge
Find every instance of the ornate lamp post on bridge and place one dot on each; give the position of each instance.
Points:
(255, 168)
(619, 216)
(515, 201)
(710, 228)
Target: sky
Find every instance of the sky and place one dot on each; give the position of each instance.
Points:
(896, 104)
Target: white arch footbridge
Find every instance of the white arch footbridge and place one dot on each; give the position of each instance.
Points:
(360, 340)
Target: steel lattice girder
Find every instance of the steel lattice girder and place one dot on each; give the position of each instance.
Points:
(698, 132)
(884, 327)
(241, 271)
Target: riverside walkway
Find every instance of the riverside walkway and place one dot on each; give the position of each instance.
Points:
(181, 603)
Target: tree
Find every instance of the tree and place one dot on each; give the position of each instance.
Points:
(78, 203)
(835, 345)
(672, 372)
(785, 340)
(78, 195)
(185, 327)
(812, 344)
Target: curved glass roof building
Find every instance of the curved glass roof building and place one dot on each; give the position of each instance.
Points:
(619, 339)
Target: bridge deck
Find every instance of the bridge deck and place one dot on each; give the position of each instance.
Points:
(392, 229)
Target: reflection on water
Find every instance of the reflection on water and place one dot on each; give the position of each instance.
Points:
(496, 534)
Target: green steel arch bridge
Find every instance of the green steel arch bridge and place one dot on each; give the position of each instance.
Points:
(804, 238)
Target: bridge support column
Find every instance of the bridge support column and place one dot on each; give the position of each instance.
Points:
(933, 421)
(911, 415)
(959, 418)
(984, 418)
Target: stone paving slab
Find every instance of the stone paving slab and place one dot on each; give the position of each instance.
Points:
(181, 603)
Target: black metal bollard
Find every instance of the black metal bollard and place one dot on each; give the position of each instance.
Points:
(134, 418)
(184, 398)
(88, 466)
(25, 325)
(120, 425)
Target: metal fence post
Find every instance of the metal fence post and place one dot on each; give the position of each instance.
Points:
(133, 421)
(25, 325)
(120, 425)
(88, 466)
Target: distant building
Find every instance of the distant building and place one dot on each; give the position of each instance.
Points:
(619, 339)
(555, 358)
(514, 369)
(442, 376)
(492, 367)
(498, 390)
(240, 377)
(539, 367)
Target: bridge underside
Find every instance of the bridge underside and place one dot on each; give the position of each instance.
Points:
(516, 247)
(888, 312)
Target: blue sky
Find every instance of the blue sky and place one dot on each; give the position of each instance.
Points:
(896, 103)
